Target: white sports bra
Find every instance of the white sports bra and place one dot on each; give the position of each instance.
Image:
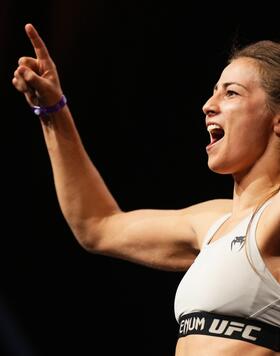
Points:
(221, 279)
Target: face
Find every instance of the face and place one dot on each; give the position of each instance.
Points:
(237, 119)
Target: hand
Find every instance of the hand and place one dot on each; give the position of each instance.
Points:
(37, 78)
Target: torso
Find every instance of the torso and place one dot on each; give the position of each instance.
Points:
(272, 262)
(203, 345)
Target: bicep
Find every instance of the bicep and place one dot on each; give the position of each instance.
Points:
(164, 239)
(161, 239)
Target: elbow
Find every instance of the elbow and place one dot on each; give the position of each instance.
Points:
(88, 238)
(94, 233)
(90, 234)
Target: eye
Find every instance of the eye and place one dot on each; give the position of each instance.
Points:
(231, 93)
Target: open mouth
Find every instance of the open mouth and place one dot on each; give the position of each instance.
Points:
(216, 133)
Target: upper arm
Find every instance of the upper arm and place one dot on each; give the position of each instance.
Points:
(165, 239)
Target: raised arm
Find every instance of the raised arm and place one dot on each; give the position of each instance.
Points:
(160, 239)
(81, 191)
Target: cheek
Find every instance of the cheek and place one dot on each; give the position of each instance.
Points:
(248, 143)
(247, 138)
(252, 125)
(250, 139)
(251, 134)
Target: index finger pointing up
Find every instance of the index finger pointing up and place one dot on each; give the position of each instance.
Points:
(38, 44)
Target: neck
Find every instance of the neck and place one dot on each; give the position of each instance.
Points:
(251, 189)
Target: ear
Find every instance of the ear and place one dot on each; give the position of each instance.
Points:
(276, 124)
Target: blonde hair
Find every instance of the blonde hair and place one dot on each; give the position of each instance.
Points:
(266, 54)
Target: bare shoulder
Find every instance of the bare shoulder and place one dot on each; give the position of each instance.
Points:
(204, 214)
(219, 205)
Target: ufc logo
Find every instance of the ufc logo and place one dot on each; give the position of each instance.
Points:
(226, 327)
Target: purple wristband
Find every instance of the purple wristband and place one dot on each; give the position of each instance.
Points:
(45, 110)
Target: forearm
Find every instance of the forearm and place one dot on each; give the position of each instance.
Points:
(81, 191)
(84, 199)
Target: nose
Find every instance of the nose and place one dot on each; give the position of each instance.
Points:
(211, 108)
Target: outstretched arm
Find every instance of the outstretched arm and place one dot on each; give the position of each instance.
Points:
(168, 239)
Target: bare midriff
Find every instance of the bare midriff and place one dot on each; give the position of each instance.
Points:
(203, 345)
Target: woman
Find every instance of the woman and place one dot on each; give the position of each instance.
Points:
(228, 302)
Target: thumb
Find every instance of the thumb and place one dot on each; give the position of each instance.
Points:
(33, 80)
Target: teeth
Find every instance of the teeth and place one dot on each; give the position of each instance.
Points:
(213, 127)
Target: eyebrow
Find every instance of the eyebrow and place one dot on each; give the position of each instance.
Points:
(225, 85)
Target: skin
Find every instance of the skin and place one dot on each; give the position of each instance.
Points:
(169, 239)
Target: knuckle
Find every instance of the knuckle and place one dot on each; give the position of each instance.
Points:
(21, 60)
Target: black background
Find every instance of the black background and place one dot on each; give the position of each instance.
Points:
(136, 74)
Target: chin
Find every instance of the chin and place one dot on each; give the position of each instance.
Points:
(219, 168)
